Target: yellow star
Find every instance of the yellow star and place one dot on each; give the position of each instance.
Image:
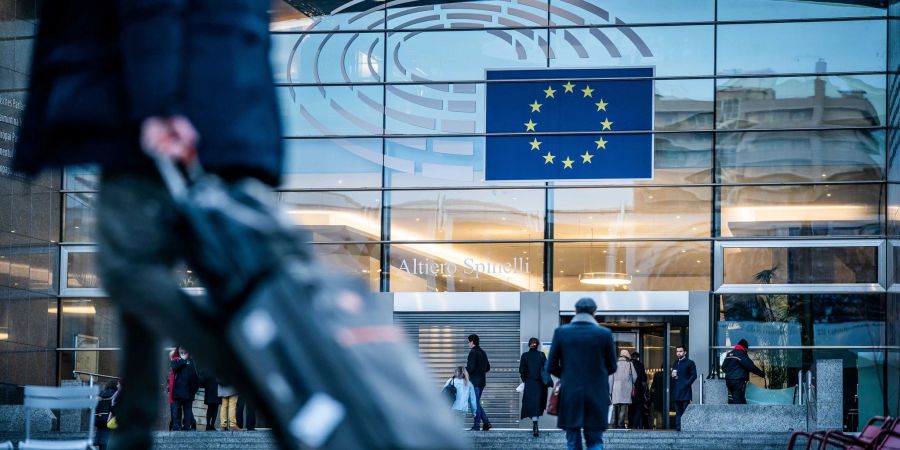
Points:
(587, 91)
(567, 163)
(549, 91)
(535, 144)
(601, 143)
(607, 125)
(536, 107)
(568, 86)
(548, 158)
(601, 106)
(529, 126)
(586, 158)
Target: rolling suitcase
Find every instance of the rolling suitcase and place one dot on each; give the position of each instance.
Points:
(303, 345)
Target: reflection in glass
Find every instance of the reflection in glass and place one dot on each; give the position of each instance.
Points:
(81, 271)
(652, 266)
(28, 338)
(630, 11)
(435, 109)
(801, 265)
(683, 105)
(332, 163)
(78, 178)
(780, 9)
(333, 110)
(501, 214)
(802, 47)
(673, 50)
(801, 319)
(682, 158)
(893, 211)
(482, 14)
(328, 57)
(80, 220)
(801, 102)
(820, 210)
(616, 213)
(412, 56)
(358, 261)
(466, 267)
(800, 156)
(336, 216)
(285, 17)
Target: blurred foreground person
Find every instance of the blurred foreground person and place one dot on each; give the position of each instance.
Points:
(583, 356)
(108, 75)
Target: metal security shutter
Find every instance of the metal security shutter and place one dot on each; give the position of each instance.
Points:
(442, 344)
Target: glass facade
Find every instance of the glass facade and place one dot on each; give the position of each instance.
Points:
(773, 120)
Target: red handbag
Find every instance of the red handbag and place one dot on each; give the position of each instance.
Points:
(553, 401)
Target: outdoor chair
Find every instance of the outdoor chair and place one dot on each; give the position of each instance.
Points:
(75, 398)
(890, 438)
(6, 445)
(867, 439)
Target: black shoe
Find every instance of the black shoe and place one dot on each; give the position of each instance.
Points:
(534, 429)
(486, 426)
(474, 429)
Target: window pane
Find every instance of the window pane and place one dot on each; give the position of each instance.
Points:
(28, 264)
(467, 267)
(435, 109)
(412, 56)
(29, 334)
(328, 58)
(801, 47)
(334, 110)
(615, 213)
(336, 216)
(893, 210)
(332, 163)
(780, 9)
(95, 317)
(438, 161)
(801, 319)
(359, 261)
(832, 210)
(499, 214)
(795, 156)
(801, 102)
(651, 266)
(82, 271)
(482, 14)
(285, 17)
(801, 265)
(78, 178)
(683, 105)
(80, 220)
(674, 50)
(575, 12)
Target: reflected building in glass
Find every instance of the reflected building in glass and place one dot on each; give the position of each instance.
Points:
(771, 215)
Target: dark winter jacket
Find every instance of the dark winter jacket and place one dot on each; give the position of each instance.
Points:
(738, 366)
(582, 355)
(687, 374)
(478, 366)
(531, 371)
(187, 380)
(211, 391)
(100, 68)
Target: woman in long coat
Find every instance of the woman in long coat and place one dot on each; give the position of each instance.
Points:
(621, 383)
(531, 371)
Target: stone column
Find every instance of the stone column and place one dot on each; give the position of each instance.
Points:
(829, 394)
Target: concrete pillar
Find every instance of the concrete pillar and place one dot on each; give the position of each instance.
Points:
(538, 317)
(829, 394)
(699, 335)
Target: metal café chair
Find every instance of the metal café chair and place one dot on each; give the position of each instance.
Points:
(69, 398)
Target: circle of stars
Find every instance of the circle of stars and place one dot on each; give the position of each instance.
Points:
(532, 127)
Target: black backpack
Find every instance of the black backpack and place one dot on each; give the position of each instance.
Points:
(450, 391)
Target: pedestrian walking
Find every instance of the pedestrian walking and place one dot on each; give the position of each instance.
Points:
(582, 356)
(478, 366)
(465, 399)
(184, 389)
(684, 373)
(228, 408)
(191, 79)
(621, 385)
(639, 414)
(211, 400)
(738, 367)
(534, 395)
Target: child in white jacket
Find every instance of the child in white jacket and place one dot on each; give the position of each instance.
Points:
(465, 392)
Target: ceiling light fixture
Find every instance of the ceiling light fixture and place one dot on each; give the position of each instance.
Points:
(605, 278)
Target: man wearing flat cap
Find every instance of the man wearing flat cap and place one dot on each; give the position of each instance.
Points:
(583, 356)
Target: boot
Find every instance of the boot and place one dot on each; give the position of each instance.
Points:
(534, 429)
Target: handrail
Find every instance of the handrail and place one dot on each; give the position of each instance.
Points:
(800, 388)
(702, 380)
(92, 375)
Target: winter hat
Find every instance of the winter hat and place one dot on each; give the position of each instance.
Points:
(743, 343)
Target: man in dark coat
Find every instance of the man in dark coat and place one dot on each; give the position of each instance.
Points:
(684, 373)
(190, 79)
(636, 419)
(212, 400)
(184, 388)
(737, 367)
(582, 356)
(531, 371)
(478, 366)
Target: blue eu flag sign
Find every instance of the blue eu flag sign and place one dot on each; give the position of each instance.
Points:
(598, 110)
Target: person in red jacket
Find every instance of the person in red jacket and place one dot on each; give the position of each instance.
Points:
(173, 356)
